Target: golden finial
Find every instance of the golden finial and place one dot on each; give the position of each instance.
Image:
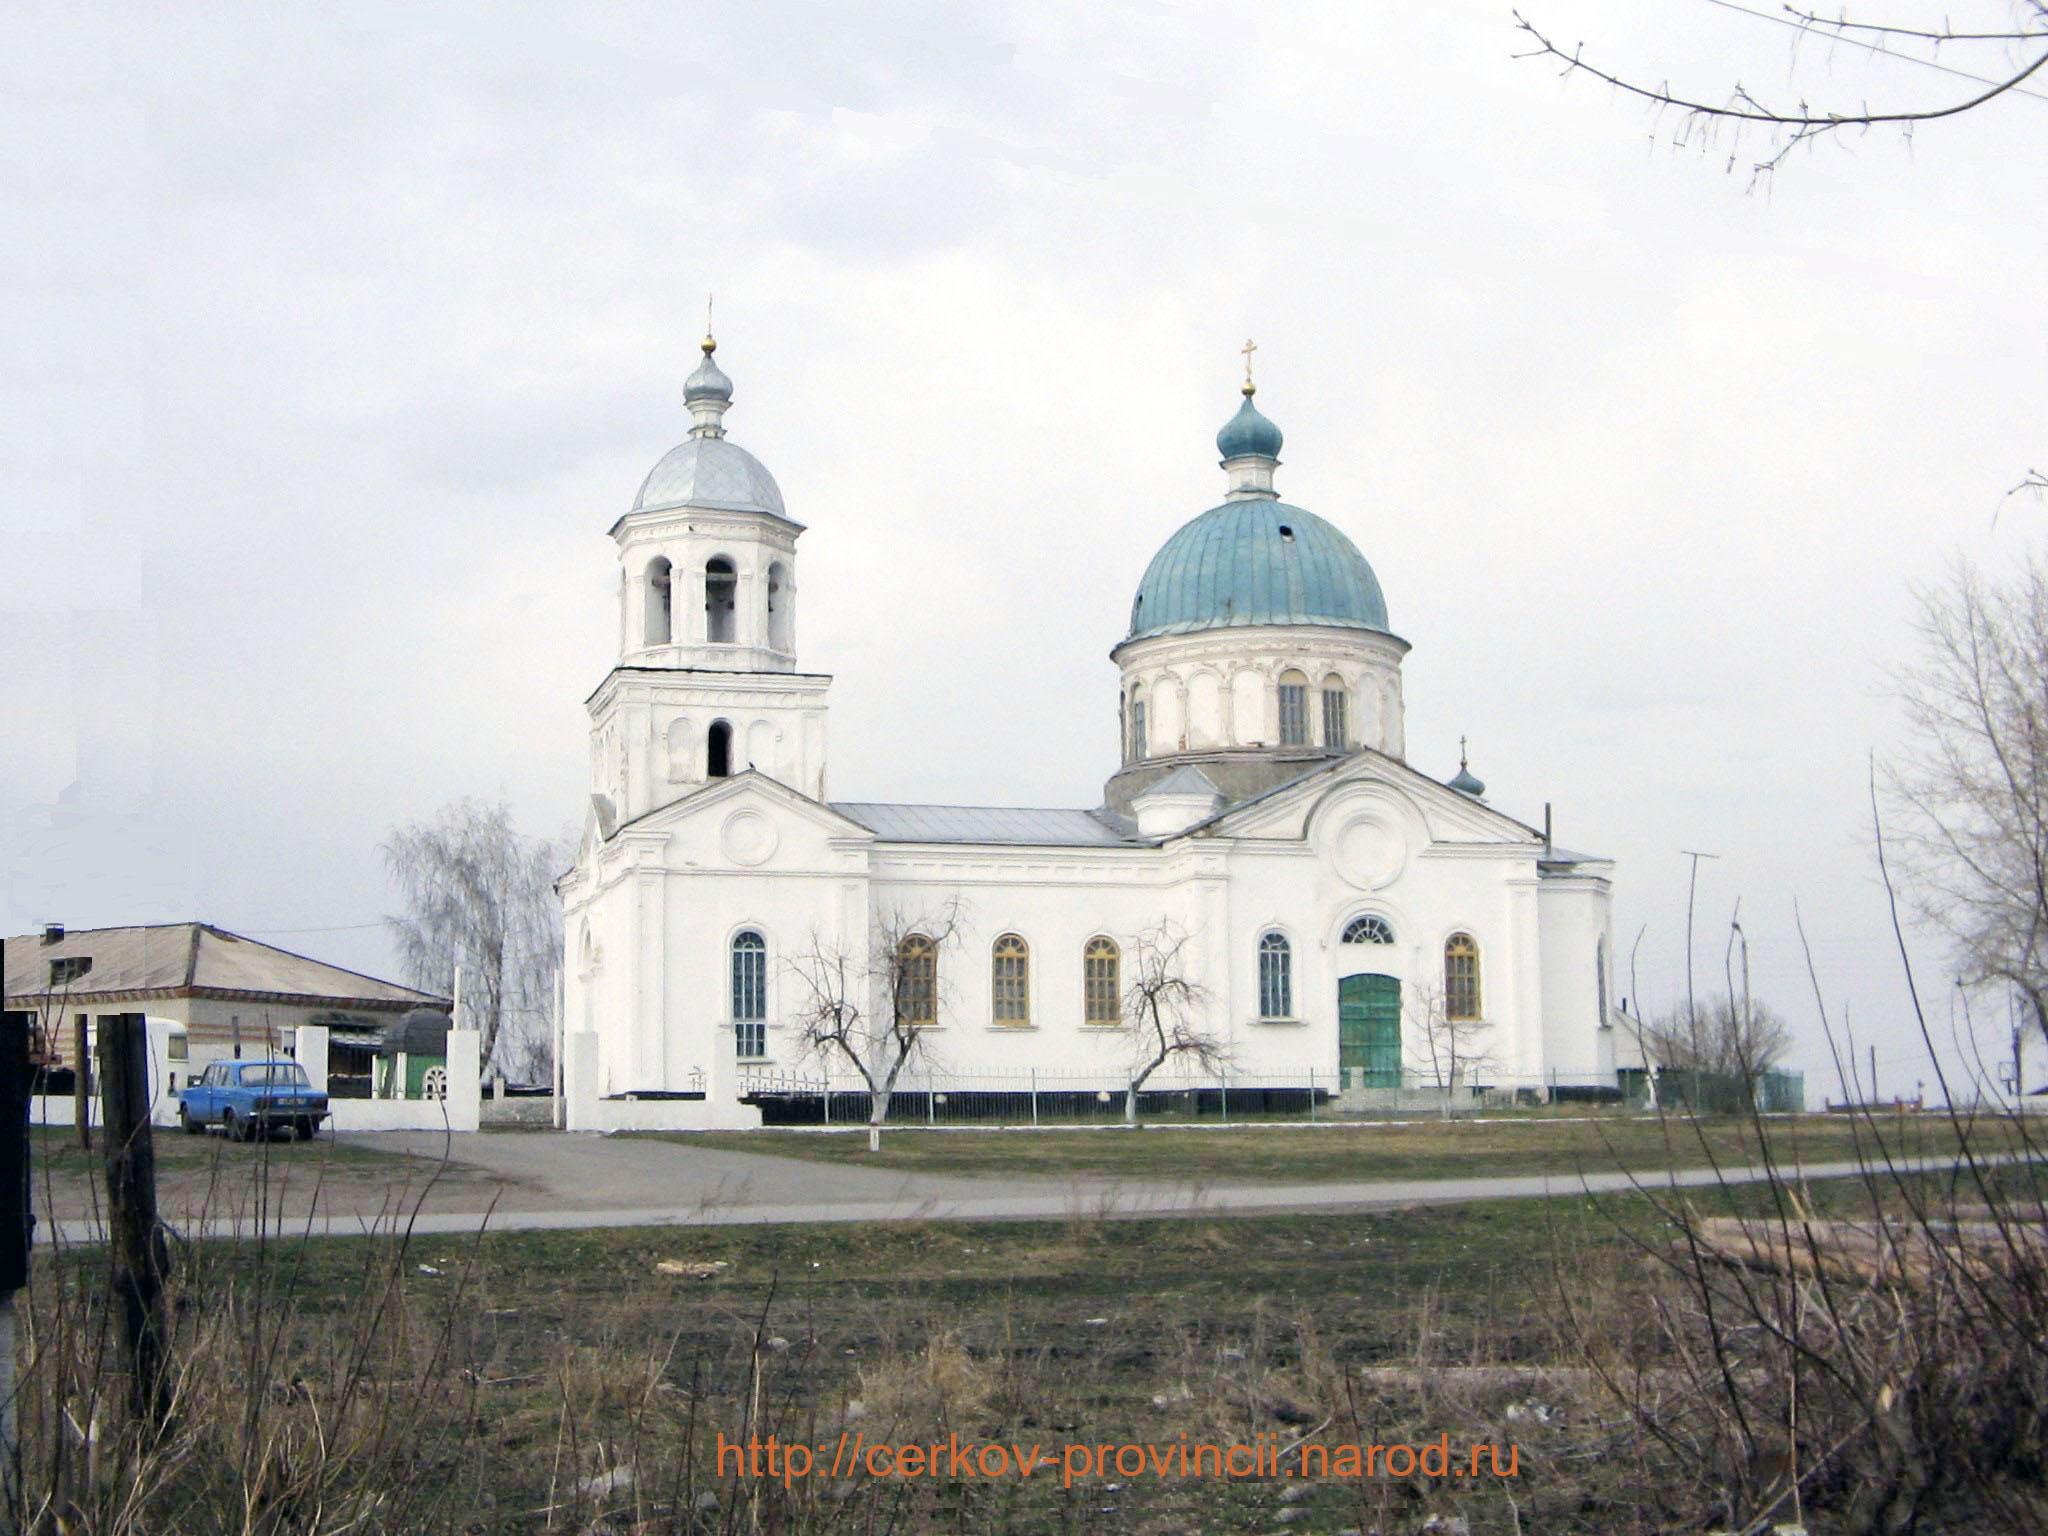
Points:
(709, 343)
(1248, 349)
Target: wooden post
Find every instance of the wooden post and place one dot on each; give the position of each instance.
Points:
(17, 1225)
(81, 1082)
(140, 1260)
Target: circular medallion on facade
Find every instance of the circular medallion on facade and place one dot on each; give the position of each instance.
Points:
(749, 838)
(1370, 852)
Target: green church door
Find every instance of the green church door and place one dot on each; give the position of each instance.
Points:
(1369, 1031)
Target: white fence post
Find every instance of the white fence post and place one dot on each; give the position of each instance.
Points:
(1311, 1095)
(1034, 1098)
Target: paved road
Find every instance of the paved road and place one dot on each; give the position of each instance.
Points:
(540, 1181)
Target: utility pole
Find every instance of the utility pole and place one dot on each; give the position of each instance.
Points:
(140, 1260)
(1692, 885)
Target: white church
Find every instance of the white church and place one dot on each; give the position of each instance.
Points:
(1338, 907)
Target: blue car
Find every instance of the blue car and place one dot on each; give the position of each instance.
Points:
(252, 1098)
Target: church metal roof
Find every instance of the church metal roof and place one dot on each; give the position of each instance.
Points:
(1256, 561)
(712, 472)
(986, 824)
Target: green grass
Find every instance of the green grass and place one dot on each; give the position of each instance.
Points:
(1419, 1149)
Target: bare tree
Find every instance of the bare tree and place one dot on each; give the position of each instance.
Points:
(1457, 1047)
(1162, 1013)
(480, 895)
(1970, 794)
(1725, 1044)
(2001, 60)
(873, 1009)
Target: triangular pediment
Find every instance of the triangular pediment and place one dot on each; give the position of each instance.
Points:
(1288, 811)
(749, 786)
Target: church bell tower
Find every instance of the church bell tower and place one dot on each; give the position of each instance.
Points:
(706, 685)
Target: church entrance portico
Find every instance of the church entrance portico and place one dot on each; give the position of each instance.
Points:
(1369, 1031)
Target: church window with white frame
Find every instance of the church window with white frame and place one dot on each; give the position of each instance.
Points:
(1276, 977)
(1336, 727)
(721, 600)
(1461, 977)
(1138, 743)
(1293, 710)
(1102, 983)
(1010, 981)
(1369, 929)
(917, 980)
(750, 994)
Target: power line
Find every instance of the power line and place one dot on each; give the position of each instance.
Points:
(1806, 29)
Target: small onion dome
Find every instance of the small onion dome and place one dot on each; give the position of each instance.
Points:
(1466, 783)
(1248, 434)
(709, 381)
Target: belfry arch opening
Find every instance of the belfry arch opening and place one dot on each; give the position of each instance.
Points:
(660, 609)
(721, 592)
(779, 597)
(718, 750)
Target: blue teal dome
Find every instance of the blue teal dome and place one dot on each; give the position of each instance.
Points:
(1248, 432)
(1256, 561)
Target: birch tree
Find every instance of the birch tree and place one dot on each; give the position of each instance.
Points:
(479, 894)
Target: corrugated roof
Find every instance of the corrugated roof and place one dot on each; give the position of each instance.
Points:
(196, 956)
(985, 824)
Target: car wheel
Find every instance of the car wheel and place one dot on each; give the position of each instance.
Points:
(228, 1127)
(186, 1123)
(307, 1130)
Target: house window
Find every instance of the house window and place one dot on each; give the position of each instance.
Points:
(1368, 930)
(1336, 728)
(917, 980)
(1276, 978)
(750, 994)
(1010, 980)
(1293, 710)
(1101, 983)
(1461, 977)
(721, 595)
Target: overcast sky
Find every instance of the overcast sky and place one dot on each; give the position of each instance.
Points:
(336, 337)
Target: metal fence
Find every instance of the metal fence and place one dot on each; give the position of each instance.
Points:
(1033, 1098)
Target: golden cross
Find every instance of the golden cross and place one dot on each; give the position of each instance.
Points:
(1248, 349)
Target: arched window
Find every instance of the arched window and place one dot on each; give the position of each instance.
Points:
(718, 750)
(1276, 978)
(1293, 709)
(1102, 987)
(1336, 725)
(721, 594)
(779, 598)
(659, 582)
(1138, 742)
(1010, 980)
(1368, 930)
(1461, 977)
(917, 980)
(750, 994)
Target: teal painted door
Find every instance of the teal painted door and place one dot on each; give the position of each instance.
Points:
(1369, 1030)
